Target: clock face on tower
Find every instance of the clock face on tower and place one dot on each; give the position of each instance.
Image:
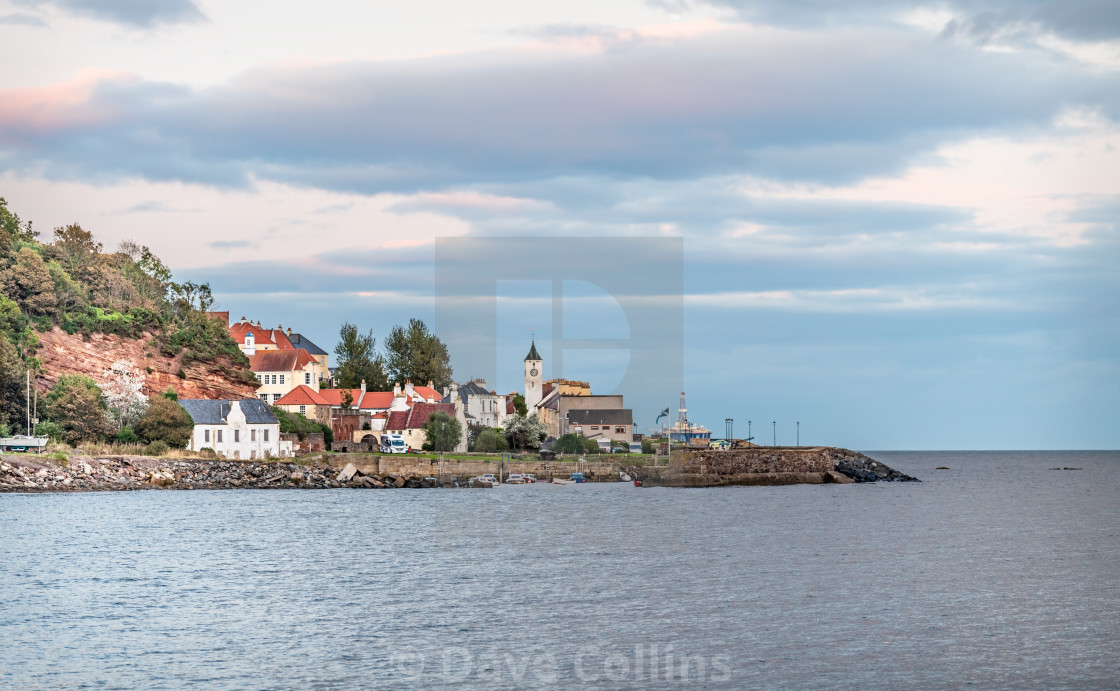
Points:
(533, 372)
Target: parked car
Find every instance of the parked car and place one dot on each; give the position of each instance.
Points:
(393, 443)
(515, 479)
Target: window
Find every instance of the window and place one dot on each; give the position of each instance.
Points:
(236, 435)
(620, 430)
(206, 436)
(264, 397)
(260, 378)
(281, 378)
(275, 397)
(303, 410)
(594, 427)
(274, 379)
(219, 433)
(266, 435)
(307, 378)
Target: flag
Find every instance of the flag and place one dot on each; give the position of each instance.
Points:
(664, 413)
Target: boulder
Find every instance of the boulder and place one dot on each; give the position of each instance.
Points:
(399, 482)
(347, 473)
(296, 477)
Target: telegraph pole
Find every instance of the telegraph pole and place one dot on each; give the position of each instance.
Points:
(775, 423)
(799, 433)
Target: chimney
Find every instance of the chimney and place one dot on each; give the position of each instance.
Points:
(454, 392)
(445, 391)
(242, 320)
(408, 388)
(430, 384)
(289, 331)
(280, 328)
(363, 386)
(258, 323)
(397, 389)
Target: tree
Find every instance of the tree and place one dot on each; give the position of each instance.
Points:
(519, 406)
(76, 405)
(13, 383)
(167, 421)
(525, 432)
(124, 385)
(359, 361)
(569, 443)
(490, 441)
(417, 354)
(11, 229)
(76, 248)
(442, 432)
(29, 283)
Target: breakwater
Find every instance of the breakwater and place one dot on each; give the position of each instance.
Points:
(767, 465)
(43, 473)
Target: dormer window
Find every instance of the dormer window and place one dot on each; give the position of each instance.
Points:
(248, 339)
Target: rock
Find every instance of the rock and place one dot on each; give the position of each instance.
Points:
(161, 478)
(296, 477)
(399, 482)
(837, 478)
(942, 467)
(347, 473)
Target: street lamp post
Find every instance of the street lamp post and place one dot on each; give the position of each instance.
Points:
(799, 433)
(749, 437)
(775, 423)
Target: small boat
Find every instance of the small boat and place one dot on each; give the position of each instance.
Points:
(637, 483)
(558, 481)
(623, 476)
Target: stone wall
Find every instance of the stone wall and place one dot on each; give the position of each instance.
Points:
(769, 459)
(407, 465)
(313, 442)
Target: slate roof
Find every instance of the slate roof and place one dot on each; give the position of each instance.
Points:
(299, 341)
(608, 416)
(214, 412)
(533, 355)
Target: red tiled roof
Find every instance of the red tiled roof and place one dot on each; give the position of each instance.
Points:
(302, 395)
(280, 360)
(238, 330)
(398, 419)
(417, 415)
(280, 339)
(334, 396)
(377, 400)
(427, 392)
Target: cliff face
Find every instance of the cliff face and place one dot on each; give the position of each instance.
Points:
(63, 353)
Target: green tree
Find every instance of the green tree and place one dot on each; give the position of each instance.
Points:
(491, 441)
(442, 432)
(590, 445)
(11, 229)
(358, 360)
(13, 382)
(167, 421)
(519, 406)
(76, 405)
(415, 353)
(569, 443)
(525, 432)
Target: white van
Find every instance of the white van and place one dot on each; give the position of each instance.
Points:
(393, 443)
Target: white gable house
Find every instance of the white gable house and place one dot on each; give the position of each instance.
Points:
(241, 429)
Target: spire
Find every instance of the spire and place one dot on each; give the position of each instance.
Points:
(533, 354)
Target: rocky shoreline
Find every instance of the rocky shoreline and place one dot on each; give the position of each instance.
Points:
(25, 473)
(861, 468)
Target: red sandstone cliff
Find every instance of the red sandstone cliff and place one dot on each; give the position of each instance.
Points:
(63, 353)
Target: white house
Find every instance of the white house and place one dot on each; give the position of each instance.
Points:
(242, 429)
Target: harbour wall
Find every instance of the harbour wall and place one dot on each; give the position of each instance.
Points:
(406, 465)
(768, 465)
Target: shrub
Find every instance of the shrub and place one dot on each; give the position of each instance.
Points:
(569, 443)
(156, 448)
(182, 374)
(126, 436)
(207, 452)
(59, 457)
(166, 421)
(490, 441)
(50, 430)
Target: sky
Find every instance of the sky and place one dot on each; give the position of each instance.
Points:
(897, 221)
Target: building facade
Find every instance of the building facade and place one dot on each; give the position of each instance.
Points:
(240, 429)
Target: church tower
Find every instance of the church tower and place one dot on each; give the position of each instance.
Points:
(533, 378)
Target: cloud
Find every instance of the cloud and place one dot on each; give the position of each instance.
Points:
(231, 244)
(772, 104)
(21, 19)
(1084, 20)
(142, 14)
